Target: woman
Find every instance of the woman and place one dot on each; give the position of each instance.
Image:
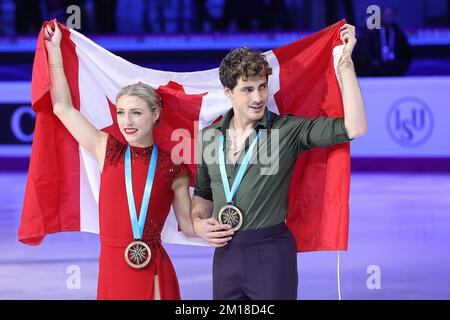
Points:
(139, 183)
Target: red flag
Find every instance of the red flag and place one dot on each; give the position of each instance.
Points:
(63, 179)
(319, 192)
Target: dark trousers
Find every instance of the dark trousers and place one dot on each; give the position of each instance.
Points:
(257, 264)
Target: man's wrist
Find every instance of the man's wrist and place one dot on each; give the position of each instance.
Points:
(54, 55)
(345, 63)
(54, 49)
(194, 220)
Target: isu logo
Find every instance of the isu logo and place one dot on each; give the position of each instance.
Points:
(410, 122)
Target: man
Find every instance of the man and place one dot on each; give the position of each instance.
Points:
(255, 255)
(384, 51)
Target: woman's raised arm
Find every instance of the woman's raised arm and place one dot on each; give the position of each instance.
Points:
(79, 127)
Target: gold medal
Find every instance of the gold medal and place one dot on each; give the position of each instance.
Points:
(232, 215)
(138, 254)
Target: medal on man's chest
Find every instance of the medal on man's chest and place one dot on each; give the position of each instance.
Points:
(230, 213)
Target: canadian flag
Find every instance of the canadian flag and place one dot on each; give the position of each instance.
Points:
(63, 183)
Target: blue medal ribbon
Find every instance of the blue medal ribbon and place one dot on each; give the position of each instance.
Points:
(138, 226)
(223, 173)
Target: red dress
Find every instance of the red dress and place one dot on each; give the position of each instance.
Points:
(118, 280)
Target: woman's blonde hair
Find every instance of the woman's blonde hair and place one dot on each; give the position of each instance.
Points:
(144, 91)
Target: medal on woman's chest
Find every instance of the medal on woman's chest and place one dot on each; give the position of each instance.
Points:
(230, 213)
(138, 253)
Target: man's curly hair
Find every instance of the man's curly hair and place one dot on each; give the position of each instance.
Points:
(242, 62)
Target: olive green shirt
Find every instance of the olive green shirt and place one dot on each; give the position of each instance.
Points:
(263, 195)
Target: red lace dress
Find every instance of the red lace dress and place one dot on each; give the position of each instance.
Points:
(118, 280)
